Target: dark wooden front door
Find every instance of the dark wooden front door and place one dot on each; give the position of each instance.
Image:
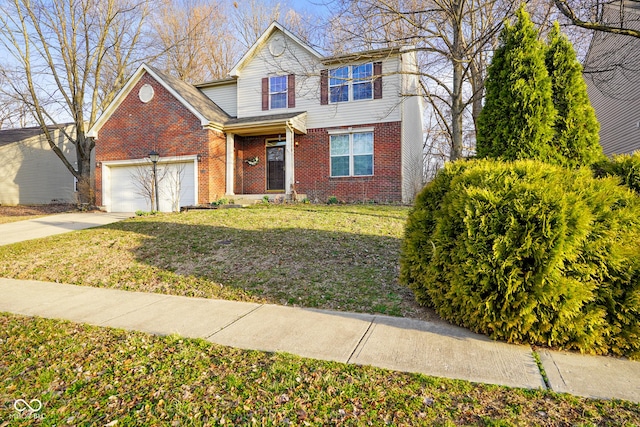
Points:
(275, 168)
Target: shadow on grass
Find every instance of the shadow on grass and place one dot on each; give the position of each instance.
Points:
(288, 266)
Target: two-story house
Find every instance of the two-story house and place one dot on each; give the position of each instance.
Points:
(287, 122)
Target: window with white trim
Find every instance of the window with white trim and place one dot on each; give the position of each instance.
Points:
(362, 81)
(278, 92)
(339, 84)
(351, 83)
(351, 154)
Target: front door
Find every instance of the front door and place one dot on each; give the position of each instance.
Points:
(275, 168)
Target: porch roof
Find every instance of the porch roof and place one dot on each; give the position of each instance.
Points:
(268, 124)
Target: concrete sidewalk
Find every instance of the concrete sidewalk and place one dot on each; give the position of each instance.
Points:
(432, 348)
(55, 224)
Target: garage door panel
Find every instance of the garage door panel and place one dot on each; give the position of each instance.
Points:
(130, 187)
(175, 186)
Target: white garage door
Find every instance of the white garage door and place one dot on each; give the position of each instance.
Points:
(131, 187)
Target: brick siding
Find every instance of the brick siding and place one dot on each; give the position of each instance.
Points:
(168, 127)
(312, 167)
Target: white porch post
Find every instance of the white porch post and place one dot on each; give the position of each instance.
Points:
(288, 163)
(229, 169)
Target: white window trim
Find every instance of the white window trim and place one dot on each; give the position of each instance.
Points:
(286, 92)
(369, 80)
(345, 83)
(350, 81)
(351, 132)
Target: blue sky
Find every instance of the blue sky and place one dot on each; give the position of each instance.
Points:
(315, 6)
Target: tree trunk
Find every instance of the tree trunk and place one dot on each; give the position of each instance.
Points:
(457, 145)
(84, 148)
(457, 104)
(477, 86)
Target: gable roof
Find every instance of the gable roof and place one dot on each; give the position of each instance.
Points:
(275, 26)
(198, 100)
(209, 113)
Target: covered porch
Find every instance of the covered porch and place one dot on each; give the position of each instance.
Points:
(260, 156)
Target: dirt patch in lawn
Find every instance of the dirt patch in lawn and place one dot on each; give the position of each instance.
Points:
(23, 212)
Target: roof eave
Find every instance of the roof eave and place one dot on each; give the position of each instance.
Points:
(263, 127)
(357, 56)
(219, 82)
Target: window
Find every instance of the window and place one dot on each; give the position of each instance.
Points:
(351, 154)
(339, 84)
(362, 81)
(278, 92)
(350, 83)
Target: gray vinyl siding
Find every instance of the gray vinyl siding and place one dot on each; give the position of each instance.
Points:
(31, 173)
(612, 73)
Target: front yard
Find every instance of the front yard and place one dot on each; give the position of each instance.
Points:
(337, 257)
(334, 257)
(86, 375)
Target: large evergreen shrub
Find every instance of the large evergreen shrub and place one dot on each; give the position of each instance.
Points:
(624, 166)
(518, 116)
(529, 252)
(576, 139)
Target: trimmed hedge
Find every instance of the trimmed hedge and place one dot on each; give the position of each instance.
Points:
(529, 252)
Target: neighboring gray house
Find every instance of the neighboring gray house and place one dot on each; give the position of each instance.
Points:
(612, 73)
(30, 172)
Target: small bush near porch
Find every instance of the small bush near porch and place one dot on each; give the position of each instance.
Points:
(335, 257)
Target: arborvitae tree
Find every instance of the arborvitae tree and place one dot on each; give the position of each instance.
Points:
(517, 119)
(576, 127)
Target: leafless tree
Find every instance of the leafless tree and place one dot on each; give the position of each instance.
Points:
(68, 59)
(195, 40)
(590, 14)
(454, 40)
(174, 175)
(252, 17)
(145, 184)
(613, 62)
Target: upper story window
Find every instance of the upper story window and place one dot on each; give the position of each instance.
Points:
(351, 83)
(278, 92)
(362, 81)
(339, 84)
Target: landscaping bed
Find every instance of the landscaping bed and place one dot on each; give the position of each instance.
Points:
(87, 375)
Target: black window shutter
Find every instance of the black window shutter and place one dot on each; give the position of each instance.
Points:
(265, 93)
(377, 82)
(291, 90)
(324, 87)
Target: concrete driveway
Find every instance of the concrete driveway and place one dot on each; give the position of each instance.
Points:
(56, 224)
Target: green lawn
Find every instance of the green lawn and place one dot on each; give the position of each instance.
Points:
(91, 376)
(334, 257)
